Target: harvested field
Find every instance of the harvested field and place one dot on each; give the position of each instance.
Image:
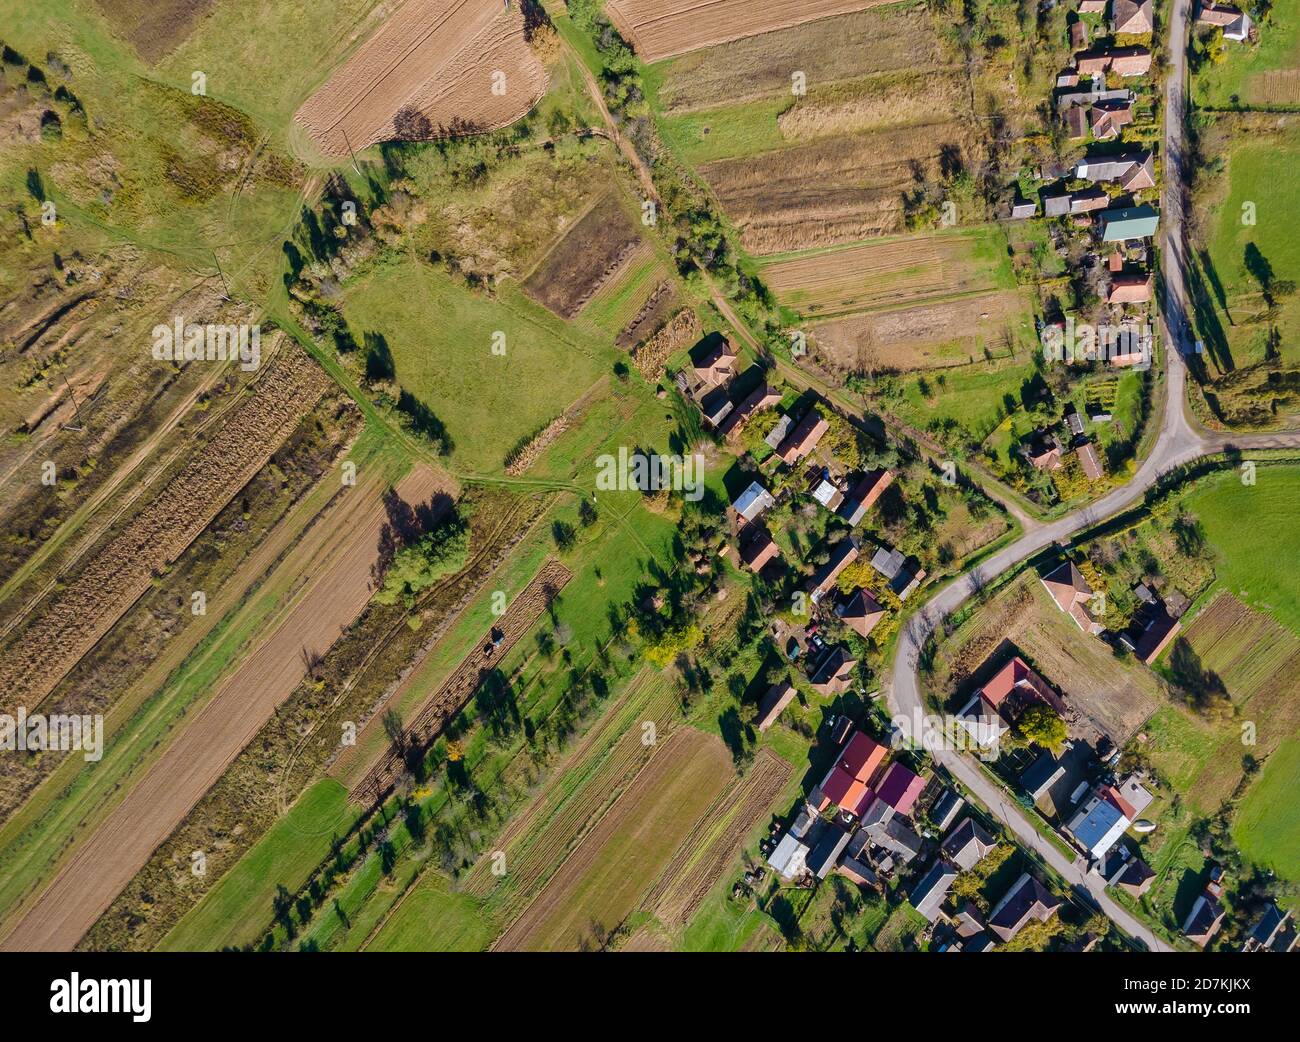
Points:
(651, 316)
(662, 28)
(680, 332)
(198, 755)
(882, 274)
(832, 191)
(1250, 652)
(154, 27)
(591, 253)
(430, 71)
(591, 777)
(827, 50)
(897, 99)
(1115, 697)
(448, 700)
(602, 880)
(926, 336)
(75, 617)
(713, 846)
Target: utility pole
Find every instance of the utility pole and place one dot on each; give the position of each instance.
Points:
(351, 152)
(226, 294)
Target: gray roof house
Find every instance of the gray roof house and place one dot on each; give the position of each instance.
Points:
(928, 895)
(967, 844)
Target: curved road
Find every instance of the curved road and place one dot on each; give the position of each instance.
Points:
(1179, 442)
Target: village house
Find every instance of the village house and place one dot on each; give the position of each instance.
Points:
(753, 502)
(945, 809)
(1274, 932)
(1131, 17)
(760, 398)
(716, 406)
(862, 497)
(1089, 461)
(1072, 594)
(860, 612)
(892, 564)
(844, 554)
(804, 438)
(1027, 899)
(929, 894)
(834, 675)
(992, 709)
(1205, 917)
(1235, 23)
(1107, 118)
(773, 703)
(1100, 821)
(968, 844)
(717, 367)
(1132, 171)
(1133, 222)
(1043, 451)
(1123, 61)
(899, 788)
(1151, 631)
(1129, 289)
(847, 783)
(1124, 869)
(757, 547)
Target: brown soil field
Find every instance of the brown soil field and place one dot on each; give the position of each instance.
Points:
(606, 760)
(591, 253)
(832, 191)
(232, 558)
(651, 317)
(831, 49)
(662, 28)
(429, 71)
(601, 882)
(75, 617)
(678, 333)
(457, 690)
(154, 27)
(713, 846)
(109, 857)
(1115, 697)
(1280, 87)
(936, 335)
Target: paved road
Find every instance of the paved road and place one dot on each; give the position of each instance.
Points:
(1179, 442)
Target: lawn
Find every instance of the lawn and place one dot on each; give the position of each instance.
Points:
(1242, 77)
(235, 911)
(1252, 529)
(972, 396)
(442, 339)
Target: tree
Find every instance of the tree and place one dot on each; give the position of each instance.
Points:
(417, 567)
(1042, 726)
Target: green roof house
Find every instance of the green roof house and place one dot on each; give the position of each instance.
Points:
(1134, 222)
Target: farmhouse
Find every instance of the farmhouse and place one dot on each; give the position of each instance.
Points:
(789, 858)
(1132, 171)
(1152, 630)
(1107, 118)
(1235, 23)
(1124, 869)
(894, 838)
(1072, 593)
(999, 703)
(1027, 899)
(1023, 208)
(826, 853)
(804, 438)
(1274, 932)
(716, 406)
(1131, 17)
(717, 367)
(760, 398)
(1043, 450)
(773, 703)
(945, 809)
(1124, 61)
(860, 612)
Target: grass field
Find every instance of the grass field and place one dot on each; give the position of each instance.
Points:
(1268, 820)
(441, 338)
(235, 910)
(1247, 75)
(1253, 178)
(1252, 528)
(433, 918)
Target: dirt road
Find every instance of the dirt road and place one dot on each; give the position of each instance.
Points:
(197, 756)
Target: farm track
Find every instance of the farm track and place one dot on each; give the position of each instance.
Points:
(457, 690)
(200, 753)
(79, 614)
